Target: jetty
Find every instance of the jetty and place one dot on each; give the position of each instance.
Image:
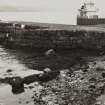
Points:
(48, 36)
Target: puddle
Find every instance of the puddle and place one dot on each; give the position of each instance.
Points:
(8, 98)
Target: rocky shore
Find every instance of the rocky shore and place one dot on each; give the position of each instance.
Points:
(64, 78)
(70, 70)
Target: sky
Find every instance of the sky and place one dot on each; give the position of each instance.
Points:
(60, 6)
(48, 4)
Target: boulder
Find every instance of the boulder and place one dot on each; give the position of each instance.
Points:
(103, 74)
(9, 70)
(92, 80)
(50, 52)
(17, 85)
(47, 70)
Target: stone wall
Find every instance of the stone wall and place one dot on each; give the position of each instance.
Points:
(56, 39)
(90, 21)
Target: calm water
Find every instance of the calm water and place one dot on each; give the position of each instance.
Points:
(45, 17)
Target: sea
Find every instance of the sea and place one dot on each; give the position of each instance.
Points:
(43, 17)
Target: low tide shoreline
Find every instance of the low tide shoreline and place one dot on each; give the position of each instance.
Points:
(71, 55)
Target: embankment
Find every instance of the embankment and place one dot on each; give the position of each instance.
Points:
(55, 36)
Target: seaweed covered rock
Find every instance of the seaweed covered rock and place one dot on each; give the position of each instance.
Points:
(17, 85)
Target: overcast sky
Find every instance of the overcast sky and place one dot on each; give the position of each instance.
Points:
(47, 5)
(61, 6)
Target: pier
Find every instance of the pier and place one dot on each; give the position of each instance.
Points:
(47, 36)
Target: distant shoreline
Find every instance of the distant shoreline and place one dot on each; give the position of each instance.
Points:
(55, 26)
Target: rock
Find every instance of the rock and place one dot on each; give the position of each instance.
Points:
(82, 78)
(92, 86)
(85, 70)
(100, 85)
(98, 103)
(17, 85)
(100, 69)
(31, 87)
(47, 70)
(47, 76)
(20, 102)
(50, 52)
(103, 75)
(85, 66)
(92, 80)
(27, 102)
(9, 70)
(94, 63)
(63, 73)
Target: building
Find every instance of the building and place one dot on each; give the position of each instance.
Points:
(88, 15)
